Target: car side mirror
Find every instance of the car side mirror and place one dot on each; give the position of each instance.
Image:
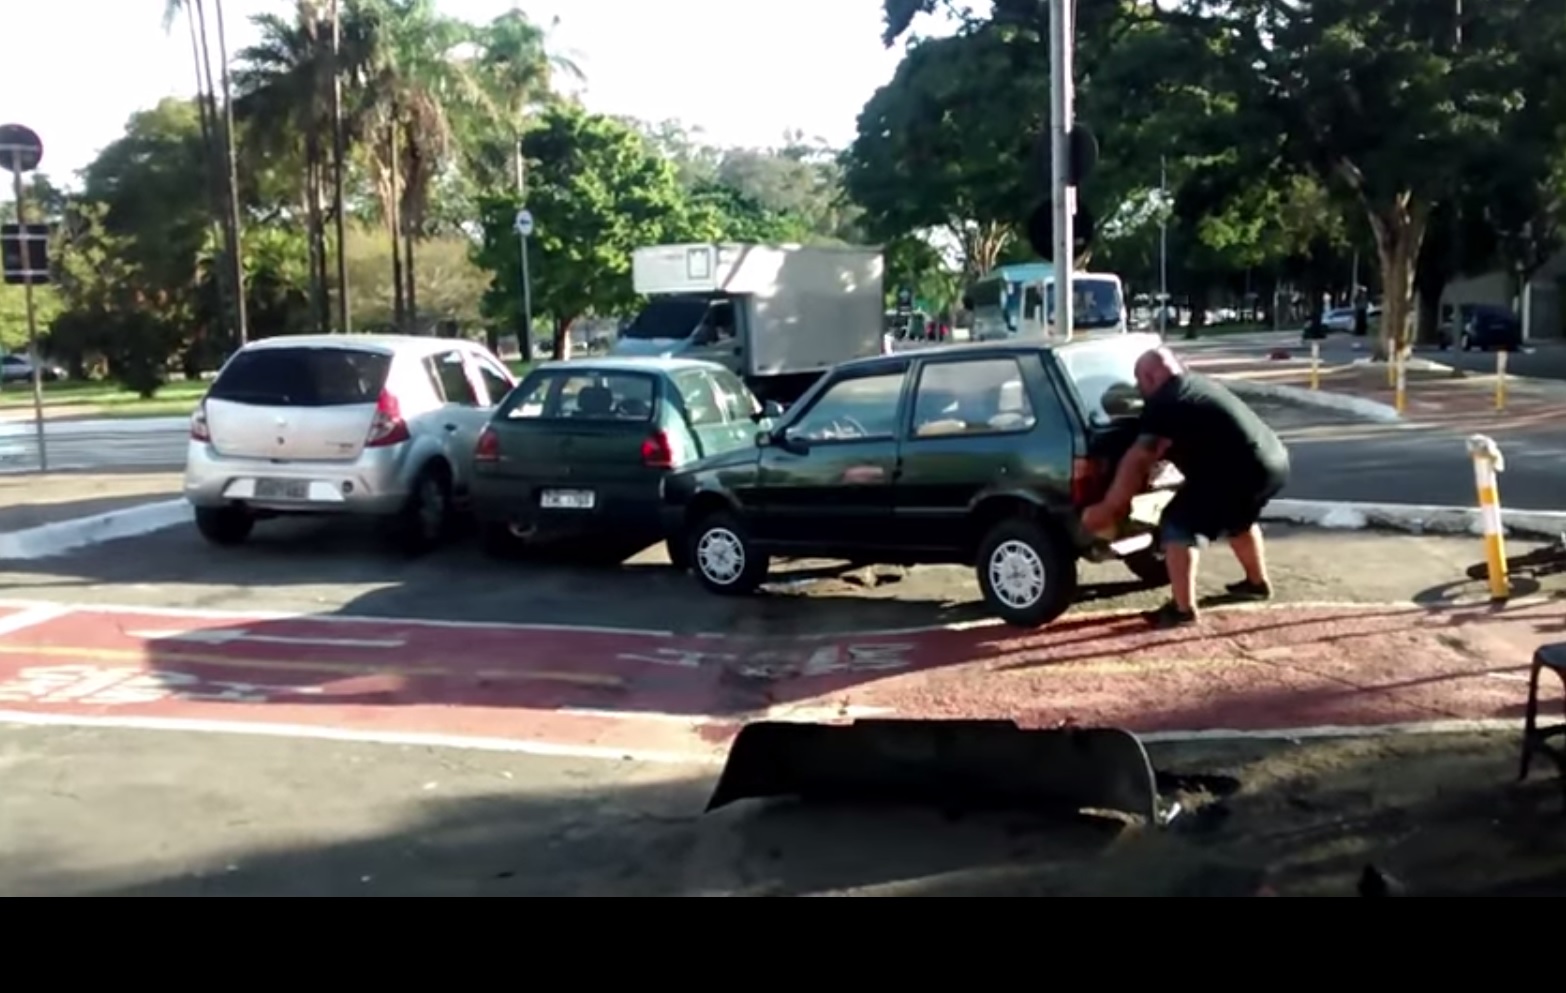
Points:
(769, 410)
(1122, 400)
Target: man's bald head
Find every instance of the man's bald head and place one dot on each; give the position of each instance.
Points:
(1155, 368)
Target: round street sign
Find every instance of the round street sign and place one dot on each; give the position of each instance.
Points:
(524, 223)
(20, 148)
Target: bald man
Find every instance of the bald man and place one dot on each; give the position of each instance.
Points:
(1233, 465)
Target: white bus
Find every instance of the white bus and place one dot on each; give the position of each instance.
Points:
(1019, 301)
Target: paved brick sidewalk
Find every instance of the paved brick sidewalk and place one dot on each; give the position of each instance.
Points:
(1436, 396)
(28, 501)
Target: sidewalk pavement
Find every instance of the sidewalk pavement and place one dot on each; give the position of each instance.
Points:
(1435, 395)
(33, 501)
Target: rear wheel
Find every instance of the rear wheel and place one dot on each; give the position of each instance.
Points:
(723, 557)
(1149, 565)
(425, 518)
(1025, 573)
(224, 525)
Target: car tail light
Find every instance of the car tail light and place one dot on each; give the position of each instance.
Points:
(488, 447)
(388, 427)
(657, 453)
(1087, 482)
(198, 423)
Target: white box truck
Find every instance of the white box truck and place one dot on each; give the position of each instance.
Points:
(778, 315)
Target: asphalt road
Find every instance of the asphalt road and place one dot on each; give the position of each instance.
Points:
(94, 810)
(121, 443)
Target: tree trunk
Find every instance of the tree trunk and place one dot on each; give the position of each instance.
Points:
(208, 144)
(229, 246)
(394, 226)
(409, 216)
(230, 154)
(562, 338)
(1399, 233)
(314, 224)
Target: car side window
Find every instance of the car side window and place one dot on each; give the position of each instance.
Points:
(969, 397)
(451, 376)
(496, 383)
(738, 403)
(860, 408)
(701, 405)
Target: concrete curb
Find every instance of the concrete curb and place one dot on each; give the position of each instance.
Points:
(63, 536)
(1343, 403)
(1410, 517)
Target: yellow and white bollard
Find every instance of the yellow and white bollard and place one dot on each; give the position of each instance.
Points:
(1315, 365)
(1400, 388)
(1488, 464)
(1500, 379)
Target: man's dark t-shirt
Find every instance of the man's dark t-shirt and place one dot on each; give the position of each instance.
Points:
(1216, 440)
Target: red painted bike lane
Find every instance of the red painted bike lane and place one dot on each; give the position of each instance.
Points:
(591, 691)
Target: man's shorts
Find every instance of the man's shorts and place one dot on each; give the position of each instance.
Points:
(1203, 512)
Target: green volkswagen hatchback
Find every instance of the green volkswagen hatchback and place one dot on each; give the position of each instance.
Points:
(575, 453)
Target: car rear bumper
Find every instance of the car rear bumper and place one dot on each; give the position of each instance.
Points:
(371, 484)
(618, 507)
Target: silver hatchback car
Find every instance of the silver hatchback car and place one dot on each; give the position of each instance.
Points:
(377, 425)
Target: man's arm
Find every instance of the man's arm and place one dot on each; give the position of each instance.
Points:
(1131, 475)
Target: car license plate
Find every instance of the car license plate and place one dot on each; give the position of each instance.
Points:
(282, 489)
(567, 499)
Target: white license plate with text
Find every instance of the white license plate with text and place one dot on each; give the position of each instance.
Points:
(567, 500)
(282, 489)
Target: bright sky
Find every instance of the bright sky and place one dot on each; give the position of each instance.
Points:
(744, 79)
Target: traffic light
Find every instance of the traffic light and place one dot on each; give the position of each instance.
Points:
(1041, 229)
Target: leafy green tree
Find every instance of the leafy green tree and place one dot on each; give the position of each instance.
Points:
(596, 192)
(945, 144)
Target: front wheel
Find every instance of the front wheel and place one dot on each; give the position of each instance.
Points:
(723, 557)
(1026, 575)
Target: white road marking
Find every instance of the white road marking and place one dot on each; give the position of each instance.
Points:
(38, 613)
(223, 636)
(460, 742)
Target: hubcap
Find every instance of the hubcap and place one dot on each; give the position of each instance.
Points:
(721, 555)
(1016, 574)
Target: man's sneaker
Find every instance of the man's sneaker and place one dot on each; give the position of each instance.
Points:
(1247, 590)
(1170, 616)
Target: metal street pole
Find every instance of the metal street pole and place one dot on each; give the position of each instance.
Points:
(1062, 193)
(527, 286)
(344, 320)
(1163, 245)
(32, 310)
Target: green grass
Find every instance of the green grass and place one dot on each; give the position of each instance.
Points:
(109, 399)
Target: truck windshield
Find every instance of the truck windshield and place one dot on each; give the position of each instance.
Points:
(671, 318)
(1097, 302)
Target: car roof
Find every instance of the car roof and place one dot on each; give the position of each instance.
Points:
(630, 363)
(386, 343)
(1013, 346)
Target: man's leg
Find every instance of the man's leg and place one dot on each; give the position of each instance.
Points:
(1181, 536)
(1182, 560)
(1249, 552)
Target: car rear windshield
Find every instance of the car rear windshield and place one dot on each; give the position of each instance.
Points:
(303, 377)
(1094, 367)
(583, 394)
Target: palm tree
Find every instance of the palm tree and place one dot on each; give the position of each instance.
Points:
(219, 156)
(418, 79)
(285, 85)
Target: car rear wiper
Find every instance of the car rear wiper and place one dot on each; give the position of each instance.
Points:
(255, 396)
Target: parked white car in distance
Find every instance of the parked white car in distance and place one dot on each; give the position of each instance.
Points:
(375, 425)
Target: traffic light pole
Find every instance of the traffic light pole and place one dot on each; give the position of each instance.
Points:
(1062, 193)
(32, 311)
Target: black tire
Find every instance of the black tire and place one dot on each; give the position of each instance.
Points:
(426, 517)
(1027, 539)
(1149, 566)
(723, 528)
(225, 526)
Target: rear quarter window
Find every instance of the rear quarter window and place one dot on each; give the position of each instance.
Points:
(585, 395)
(303, 377)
